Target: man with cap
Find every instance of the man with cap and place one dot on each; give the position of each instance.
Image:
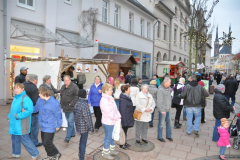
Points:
(21, 77)
(221, 109)
(231, 89)
(128, 78)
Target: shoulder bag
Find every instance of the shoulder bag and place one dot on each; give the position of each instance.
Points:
(137, 114)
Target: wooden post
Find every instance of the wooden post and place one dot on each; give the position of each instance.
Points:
(62, 53)
(66, 68)
(59, 75)
(104, 67)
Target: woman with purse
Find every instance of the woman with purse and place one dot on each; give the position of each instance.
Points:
(144, 107)
(110, 115)
(126, 111)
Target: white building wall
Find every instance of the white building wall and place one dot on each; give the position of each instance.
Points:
(1, 56)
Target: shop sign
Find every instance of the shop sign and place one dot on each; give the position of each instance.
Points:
(164, 70)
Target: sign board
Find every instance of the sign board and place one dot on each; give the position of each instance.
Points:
(164, 70)
(206, 84)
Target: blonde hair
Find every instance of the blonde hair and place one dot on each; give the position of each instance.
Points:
(19, 85)
(106, 87)
(181, 80)
(117, 83)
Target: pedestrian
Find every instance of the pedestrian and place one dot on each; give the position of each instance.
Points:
(218, 78)
(155, 76)
(21, 78)
(32, 92)
(221, 109)
(128, 77)
(134, 92)
(118, 91)
(110, 115)
(164, 105)
(145, 104)
(206, 94)
(223, 141)
(47, 83)
(223, 81)
(20, 123)
(50, 121)
(111, 81)
(152, 89)
(83, 121)
(94, 97)
(26, 78)
(121, 77)
(125, 109)
(231, 89)
(177, 102)
(69, 72)
(194, 100)
(139, 84)
(69, 97)
(238, 79)
(184, 108)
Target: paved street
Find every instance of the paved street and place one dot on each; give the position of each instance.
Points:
(182, 147)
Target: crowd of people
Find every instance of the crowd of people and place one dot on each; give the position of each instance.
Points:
(118, 99)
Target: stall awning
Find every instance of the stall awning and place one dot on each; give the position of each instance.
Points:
(175, 63)
(32, 32)
(70, 39)
(117, 58)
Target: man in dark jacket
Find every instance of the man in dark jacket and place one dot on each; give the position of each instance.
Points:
(218, 78)
(184, 108)
(21, 77)
(231, 89)
(221, 109)
(32, 92)
(128, 78)
(69, 97)
(194, 100)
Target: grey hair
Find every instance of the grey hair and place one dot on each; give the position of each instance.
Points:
(32, 77)
(67, 77)
(121, 73)
(167, 78)
(182, 80)
(27, 76)
(144, 85)
(46, 77)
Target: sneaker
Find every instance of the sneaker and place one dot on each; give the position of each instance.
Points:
(66, 141)
(35, 158)
(161, 139)
(150, 126)
(170, 139)
(196, 133)
(58, 156)
(189, 133)
(145, 141)
(48, 158)
(12, 157)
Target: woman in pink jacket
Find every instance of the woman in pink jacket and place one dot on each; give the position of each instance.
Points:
(110, 115)
(223, 141)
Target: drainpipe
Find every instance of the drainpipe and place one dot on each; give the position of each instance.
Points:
(5, 52)
(170, 38)
(153, 65)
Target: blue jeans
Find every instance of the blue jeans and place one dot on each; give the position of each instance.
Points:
(117, 103)
(161, 119)
(222, 150)
(196, 111)
(82, 145)
(151, 122)
(70, 129)
(233, 98)
(184, 112)
(34, 129)
(27, 143)
(215, 137)
(108, 136)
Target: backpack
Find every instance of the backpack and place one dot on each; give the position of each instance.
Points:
(81, 77)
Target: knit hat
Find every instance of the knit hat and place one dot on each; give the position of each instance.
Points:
(201, 83)
(82, 93)
(220, 87)
(224, 121)
(154, 82)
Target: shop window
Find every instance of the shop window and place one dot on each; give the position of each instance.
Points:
(146, 66)
(24, 49)
(106, 49)
(122, 51)
(29, 4)
(136, 67)
(105, 11)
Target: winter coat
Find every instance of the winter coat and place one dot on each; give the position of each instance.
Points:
(218, 77)
(164, 100)
(21, 78)
(126, 110)
(117, 92)
(51, 88)
(83, 117)
(110, 113)
(177, 89)
(142, 103)
(221, 106)
(20, 122)
(231, 87)
(94, 96)
(238, 77)
(224, 137)
(50, 115)
(133, 94)
(32, 91)
(152, 89)
(69, 97)
(193, 95)
(158, 82)
(128, 79)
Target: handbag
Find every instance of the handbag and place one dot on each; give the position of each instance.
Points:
(137, 114)
(122, 138)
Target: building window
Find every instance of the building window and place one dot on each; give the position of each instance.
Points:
(136, 68)
(180, 39)
(148, 30)
(175, 36)
(68, 1)
(29, 4)
(146, 66)
(130, 29)
(142, 26)
(158, 29)
(104, 11)
(164, 32)
(185, 39)
(116, 16)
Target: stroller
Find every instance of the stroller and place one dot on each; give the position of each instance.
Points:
(234, 131)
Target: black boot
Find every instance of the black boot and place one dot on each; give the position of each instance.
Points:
(176, 124)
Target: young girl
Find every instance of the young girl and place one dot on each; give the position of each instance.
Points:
(223, 141)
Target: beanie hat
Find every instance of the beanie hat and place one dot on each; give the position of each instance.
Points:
(82, 93)
(201, 83)
(223, 121)
(220, 87)
(154, 82)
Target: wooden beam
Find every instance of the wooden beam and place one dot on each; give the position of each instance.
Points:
(101, 69)
(104, 67)
(66, 68)
(62, 53)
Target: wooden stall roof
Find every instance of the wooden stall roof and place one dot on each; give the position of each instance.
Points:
(116, 58)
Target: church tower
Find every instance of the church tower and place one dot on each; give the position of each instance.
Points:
(216, 44)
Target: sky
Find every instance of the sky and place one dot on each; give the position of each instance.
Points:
(227, 12)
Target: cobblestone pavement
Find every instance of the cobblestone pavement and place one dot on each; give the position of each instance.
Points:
(182, 147)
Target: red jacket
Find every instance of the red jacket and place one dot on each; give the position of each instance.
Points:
(224, 137)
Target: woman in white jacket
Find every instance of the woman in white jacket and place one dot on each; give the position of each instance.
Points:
(145, 104)
(118, 91)
(134, 92)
